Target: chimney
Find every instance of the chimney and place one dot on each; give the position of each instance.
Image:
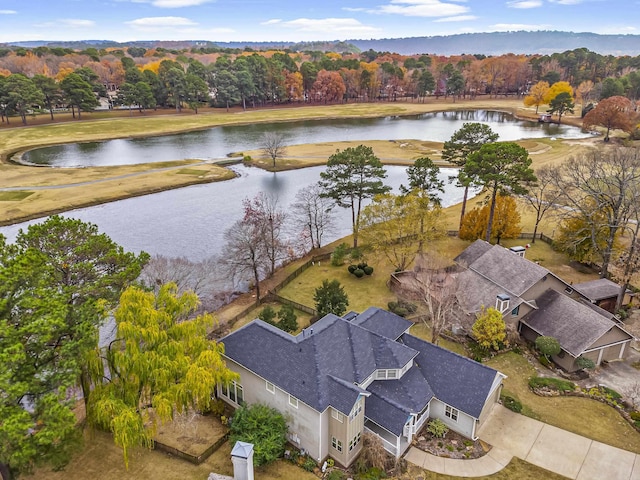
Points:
(518, 250)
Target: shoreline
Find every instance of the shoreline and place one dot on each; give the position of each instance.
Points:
(130, 189)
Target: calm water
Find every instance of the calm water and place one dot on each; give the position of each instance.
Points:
(219, 141)
(191, 221)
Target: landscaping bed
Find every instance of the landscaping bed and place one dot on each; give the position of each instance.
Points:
(452, 445)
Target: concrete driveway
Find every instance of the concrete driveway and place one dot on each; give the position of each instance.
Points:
(557, 450)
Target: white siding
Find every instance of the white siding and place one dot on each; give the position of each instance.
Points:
(304, 422)
(463, 426)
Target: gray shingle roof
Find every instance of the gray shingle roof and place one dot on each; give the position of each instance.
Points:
(574, 325)
(475, 291)
(472, 253)
(382, 322)
(503, 267)
(456, 380)
(599, 289)
(305, 364)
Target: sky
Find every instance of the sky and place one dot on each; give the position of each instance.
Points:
(303, 20)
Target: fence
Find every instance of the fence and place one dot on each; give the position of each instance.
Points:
(523, 235)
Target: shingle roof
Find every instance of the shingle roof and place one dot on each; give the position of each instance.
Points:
(472, 253)
(599, 289)
(307, 365)
(503, 267)
(574, 325)
(476, 291)
(382, 322)
(456, 380)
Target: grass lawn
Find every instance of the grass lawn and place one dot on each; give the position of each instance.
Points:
(100, 459)
(582, 416)
(303, 317)
(14, 196)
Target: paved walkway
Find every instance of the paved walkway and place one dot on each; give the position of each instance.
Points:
(562, 452)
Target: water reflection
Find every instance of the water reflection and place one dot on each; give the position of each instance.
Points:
(219, 141)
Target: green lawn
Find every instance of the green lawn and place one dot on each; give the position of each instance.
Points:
(14, 196)
(583, 416)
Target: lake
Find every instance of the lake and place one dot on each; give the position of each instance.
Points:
(219, 141)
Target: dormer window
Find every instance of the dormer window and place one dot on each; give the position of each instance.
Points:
(502, 302)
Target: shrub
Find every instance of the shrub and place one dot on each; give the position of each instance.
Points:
(611, 393)
(339, 254)
(512, 404)
(437, 428)
(263, 426)
(217, 407)
(358, 272)
(489, 329)
(368, 270)
(585, 363)
(335, 474)
(268, 314)
(402, 308)
(635, 416)
(544, 361)
(288, 321)
(362, 265)
(548, 346)
(309, 464)
(352, 268)
(552, 383)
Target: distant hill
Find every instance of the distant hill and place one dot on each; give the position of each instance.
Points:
(494, 43)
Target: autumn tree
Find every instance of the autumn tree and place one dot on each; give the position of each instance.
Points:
(274, 145)
(561, 104)
(501, 168)
(506, 222)
(537, 95)
(463, 143)
(352, 176)
(397, 225)
(330, 297)
(600, 191)
(160, 363)
(612, 113)
(314, 213)
(328, 87)
(556, 89)
(489, 329)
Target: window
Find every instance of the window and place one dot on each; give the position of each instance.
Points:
(271, 388)
(337, 415)
(354, 441)
(515, 311)
(451, 412)
(502, 302)
(392, 373)
(293, 401)
(381, 374)
(233, 392)
(337, 444)
(356, 410)
(386, 374)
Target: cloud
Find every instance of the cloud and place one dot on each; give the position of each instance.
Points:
(174, 3)
(567, 2)
(512, 27)
(324, 25)
(77, 22)
(273, 21)
(525, 4)
(458, 18)
(155, 22)
(421, 8)
(7, 12)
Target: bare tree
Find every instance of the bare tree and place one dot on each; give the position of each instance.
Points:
(438, 285)
(204, 278)
(243, 253)
(633, 392)
(267, 218)
(543, 195)
(273, 145)
(313, 213)
(606, 182)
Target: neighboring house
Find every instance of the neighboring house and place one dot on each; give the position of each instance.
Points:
(365, 372)
(538, 302)
(603, 293)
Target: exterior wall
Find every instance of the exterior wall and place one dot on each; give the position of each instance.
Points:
(567, 362)
(542, 286)
(612, 336)
(613, 352)
(304, 422)
(463, 426)
(491, 401)
(338, 430)
(355, 429)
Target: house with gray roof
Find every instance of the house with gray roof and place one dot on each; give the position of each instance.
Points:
(603, 293)
(362, 373)
(538, 302)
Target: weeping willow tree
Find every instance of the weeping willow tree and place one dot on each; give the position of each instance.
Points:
(160, 363)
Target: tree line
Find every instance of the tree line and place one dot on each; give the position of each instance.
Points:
(160, 78)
